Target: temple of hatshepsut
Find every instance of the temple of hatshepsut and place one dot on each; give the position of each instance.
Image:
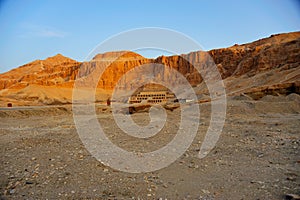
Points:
(153, 97)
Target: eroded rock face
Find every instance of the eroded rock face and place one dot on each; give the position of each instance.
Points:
(277, 51)
(55, 70)
(277, 54)
(274, 90)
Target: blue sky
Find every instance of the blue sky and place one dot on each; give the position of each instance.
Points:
(37, 29)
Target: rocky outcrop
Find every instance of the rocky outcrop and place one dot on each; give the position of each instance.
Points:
(277, 51)
(55, 70)
(274, 90)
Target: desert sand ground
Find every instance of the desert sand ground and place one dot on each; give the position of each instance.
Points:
(256, 157)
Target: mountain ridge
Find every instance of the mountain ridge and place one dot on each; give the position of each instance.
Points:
(277, 55)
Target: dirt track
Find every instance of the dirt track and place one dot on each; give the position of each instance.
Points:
(256, 157)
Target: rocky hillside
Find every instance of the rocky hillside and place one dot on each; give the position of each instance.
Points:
(269, 65)
(52, 71)
(277, 51)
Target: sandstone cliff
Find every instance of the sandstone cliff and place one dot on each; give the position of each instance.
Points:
(269, 64)
(52, 71)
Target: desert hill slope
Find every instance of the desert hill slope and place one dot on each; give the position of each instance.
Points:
(266, 66)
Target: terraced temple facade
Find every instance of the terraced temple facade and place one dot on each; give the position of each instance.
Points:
(152, 97)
